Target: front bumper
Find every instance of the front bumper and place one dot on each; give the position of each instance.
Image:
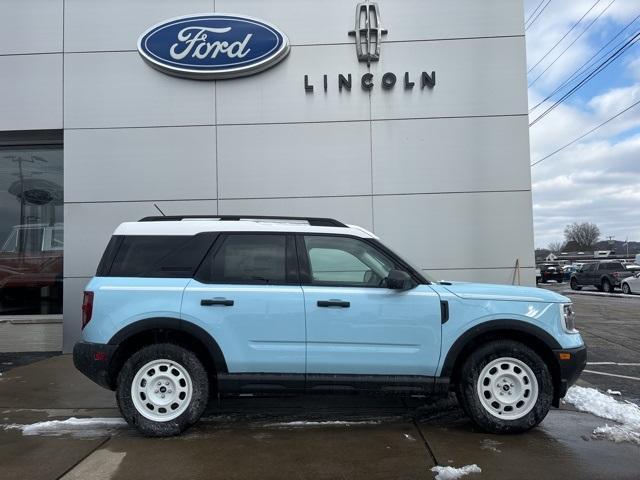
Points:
(93, 360)
(571, 363)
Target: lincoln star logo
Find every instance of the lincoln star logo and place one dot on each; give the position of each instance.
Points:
(368, 32)
(213, 46)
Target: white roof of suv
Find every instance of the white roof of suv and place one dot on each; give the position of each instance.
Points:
(194, 225)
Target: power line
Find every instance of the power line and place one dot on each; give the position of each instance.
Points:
(564, 36)
(585, 134)
(574, 41)
(591, 60)
(537, 16)
(533, 13)
(588, 78)
(578, 72)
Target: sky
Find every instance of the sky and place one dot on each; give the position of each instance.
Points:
(597, 179)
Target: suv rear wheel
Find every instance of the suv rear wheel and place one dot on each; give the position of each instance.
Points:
(607, 286)
(505, 387)
(162, 390)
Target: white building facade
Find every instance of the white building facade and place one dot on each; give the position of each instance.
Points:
(438, 169)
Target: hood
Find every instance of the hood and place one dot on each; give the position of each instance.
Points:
(486, 291)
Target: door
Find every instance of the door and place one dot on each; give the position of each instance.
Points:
(593, 275)
(587, 276)
(246, 294)
(355, 325)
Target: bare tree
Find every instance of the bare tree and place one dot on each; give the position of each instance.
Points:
(585, 235)
(556, 247)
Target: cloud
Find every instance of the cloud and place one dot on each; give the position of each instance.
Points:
(598, 178)
(596, 182)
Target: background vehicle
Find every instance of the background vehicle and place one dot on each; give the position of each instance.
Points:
(183, 307)
(551, 271)
(631, 284)
(605, 276)
(567, 270)
(31, 259)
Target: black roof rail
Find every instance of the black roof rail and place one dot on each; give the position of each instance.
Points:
(313, 221)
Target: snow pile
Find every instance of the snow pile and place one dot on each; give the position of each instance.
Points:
(618, 433)
(452, 473)
(84, 427)
(627, 414)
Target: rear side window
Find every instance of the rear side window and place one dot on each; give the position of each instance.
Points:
(611, 266)
(175, 256)
(249, 259)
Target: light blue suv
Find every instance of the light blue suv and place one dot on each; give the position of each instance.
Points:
(185, 307)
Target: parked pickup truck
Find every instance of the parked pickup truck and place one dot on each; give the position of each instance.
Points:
(605, 276)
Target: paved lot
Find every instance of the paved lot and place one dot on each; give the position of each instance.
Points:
(318, 437)
(610, 326)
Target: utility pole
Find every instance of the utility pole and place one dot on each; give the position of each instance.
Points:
(626, 242)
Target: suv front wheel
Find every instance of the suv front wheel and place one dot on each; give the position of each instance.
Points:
(162, 390)
(505, 387)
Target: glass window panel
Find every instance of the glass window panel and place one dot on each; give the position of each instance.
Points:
(346, 261)
(252, 259)
(31, 230)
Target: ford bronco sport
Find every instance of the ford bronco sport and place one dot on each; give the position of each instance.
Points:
(183, 307)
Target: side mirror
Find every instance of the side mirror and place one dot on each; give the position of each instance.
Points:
(399, 280)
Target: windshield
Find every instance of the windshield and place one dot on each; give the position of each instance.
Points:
(11, 242)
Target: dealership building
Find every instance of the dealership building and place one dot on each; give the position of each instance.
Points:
(406, 117)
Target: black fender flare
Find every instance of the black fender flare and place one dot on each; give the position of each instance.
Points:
(495, 326)
(170, 323)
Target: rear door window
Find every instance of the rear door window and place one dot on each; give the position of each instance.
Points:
(611, 266)
(250, 259)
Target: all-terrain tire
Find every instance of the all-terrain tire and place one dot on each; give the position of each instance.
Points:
(181, 381)
(522, 362)
(574, 284)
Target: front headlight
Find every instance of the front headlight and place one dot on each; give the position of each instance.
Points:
(568, 318)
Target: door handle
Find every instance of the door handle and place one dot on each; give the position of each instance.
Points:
(333, 303)
(208, 302)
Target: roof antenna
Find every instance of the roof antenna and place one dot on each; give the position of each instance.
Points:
(158, 208)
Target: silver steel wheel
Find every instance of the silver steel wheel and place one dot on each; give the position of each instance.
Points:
(161, 390)
(507, 388)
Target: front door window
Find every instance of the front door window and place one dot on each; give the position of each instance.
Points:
(345, 261)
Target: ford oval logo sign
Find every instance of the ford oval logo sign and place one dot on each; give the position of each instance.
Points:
(213, 46)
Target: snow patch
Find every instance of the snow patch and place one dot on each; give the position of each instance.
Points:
(452, 473)
(489, 444)
(617, 434)
(627, 414)
(306, 423)
(83, 427)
